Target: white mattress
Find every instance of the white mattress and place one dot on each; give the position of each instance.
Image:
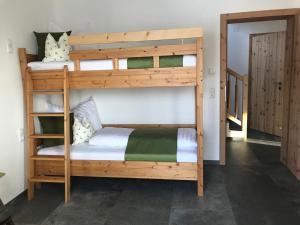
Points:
(88, 65)
(186, 152)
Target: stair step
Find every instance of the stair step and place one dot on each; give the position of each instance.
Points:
(47, 179)
(47, 158)
(47, 136)
(48, 114)
(48, 92)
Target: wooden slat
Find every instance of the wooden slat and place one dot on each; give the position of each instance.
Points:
(111, 53)
(47, 136)
(47, 179)
(47, 114)
(152, 35)
(47, 158)
(115, 63)
(48, 92)
(122, 169)
(156, 61)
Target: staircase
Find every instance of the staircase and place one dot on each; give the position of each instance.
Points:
(33, 139)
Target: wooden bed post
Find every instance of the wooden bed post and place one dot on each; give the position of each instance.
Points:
(67, 135)
(199, 114)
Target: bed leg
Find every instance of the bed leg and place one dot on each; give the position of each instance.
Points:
(200, 191)
(30, 190)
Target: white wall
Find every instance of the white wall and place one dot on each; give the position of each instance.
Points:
(238, 48)
(18, 18)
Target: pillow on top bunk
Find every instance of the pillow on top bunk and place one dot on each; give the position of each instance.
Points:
(57, 51)
(88, 110)
(41, 41)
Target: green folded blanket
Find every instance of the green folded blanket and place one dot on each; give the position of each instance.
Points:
(147, 62)
(152, 144)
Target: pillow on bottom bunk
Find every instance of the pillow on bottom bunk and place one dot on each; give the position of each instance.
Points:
(82, 132)
(55, 125)
(111, 137)
(88, 110)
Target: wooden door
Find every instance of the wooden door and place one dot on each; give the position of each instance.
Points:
(267, 54)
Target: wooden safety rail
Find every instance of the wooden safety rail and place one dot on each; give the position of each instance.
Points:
(234, 100)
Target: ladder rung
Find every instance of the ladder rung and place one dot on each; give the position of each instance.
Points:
(47, 136)
(48, 114)
(47, 179)
(47, 158)
(48, 92)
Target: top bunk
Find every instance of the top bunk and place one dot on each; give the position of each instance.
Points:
(170, 65)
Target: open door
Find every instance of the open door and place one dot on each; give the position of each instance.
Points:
(266, 73)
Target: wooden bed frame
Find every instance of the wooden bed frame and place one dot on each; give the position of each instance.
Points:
(48, 169)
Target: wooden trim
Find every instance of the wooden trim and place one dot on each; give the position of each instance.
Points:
(223, 81)
(111, 53)
(152, 35)
(256, 16)
(122, 169)
(238, 18)
(289, 56)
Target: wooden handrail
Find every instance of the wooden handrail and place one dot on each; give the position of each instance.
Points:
(235, 74)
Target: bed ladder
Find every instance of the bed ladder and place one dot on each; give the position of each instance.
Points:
(33, 139)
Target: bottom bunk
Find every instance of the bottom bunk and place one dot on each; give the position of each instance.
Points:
(108, 154)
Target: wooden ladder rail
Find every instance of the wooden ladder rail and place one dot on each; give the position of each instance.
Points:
(32, 138)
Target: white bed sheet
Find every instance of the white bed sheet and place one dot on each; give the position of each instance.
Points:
(186, 151)
(88, 65)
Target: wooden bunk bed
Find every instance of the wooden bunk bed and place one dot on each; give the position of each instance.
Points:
(59, 169)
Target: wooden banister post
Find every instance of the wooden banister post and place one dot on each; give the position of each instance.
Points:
(245, 106)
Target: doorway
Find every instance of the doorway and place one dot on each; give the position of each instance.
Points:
(290, 69)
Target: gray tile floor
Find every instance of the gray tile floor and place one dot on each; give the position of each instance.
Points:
(254, 188)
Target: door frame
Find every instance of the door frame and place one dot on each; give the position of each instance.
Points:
(255, 16)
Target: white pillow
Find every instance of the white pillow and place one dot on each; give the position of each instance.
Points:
(88, 110)
(187, 139)
(82, 131)
(57, 51)
(111, 137)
